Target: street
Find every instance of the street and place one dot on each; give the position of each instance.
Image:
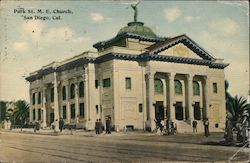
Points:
(125, 147)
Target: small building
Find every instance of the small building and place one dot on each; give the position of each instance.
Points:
(134, 78)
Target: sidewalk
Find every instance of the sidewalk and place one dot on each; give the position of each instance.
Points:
(79, 132)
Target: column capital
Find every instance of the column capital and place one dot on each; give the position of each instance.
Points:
(189, 76)
(150, 74)
(171, 76)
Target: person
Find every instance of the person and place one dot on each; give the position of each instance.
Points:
(100, 126)
(108, 125)
(61, 124)
(194, 126)
(206, 124)
(56, 125)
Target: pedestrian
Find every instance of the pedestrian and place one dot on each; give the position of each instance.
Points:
(108, 125)
(100, 126)
(206, 125)
(96, 126)
(194, 126)
(61, 124)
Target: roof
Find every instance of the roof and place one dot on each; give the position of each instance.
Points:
(138, 28)
(169, 42)
(123, 35)
(121, 56)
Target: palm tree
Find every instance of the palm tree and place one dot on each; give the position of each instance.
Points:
(237, 105)
(235, 110)
(21, 112)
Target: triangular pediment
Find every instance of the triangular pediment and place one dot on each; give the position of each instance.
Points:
(180, 50)
(180, 46)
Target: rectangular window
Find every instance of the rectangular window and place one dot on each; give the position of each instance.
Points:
(140, 108)
(81, 110)
(72, 111)
(39, 114)
(106, 82)
(34, 98)
(215, 88)
(52, 95)
(34, 114)
(128, 83)
(39, 98)
(64, 112)
(96, 83)
(96, 109)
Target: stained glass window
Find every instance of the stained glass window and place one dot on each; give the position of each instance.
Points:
(158, 86)
(178, 87)
(196, 88)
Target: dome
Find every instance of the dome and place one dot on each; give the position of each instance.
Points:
(138, 28)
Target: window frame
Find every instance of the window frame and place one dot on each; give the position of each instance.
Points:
(175, 87)
(128, 83)
(106, 83)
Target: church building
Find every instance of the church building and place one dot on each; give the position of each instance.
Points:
(133, 78)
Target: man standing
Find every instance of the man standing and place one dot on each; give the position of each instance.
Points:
(206, 124)
(194, 126)
(61, 124)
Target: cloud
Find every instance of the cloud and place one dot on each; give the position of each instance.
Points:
(225, 27)
(33, 28)
(188, 19)
(171, 14)
(96, 17)
(21, 46)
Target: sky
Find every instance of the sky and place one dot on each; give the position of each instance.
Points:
(220, 27)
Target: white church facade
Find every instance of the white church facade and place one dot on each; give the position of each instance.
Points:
(133, 78)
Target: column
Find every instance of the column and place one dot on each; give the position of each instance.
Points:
(189, 97)
(77, 103)
(151, 108)
(36, 109)
(67, 103)
(86, 98)
(165, 98)
(31, 108)
(207, 96)
(171, 96)
(44, 124)
(56, 105)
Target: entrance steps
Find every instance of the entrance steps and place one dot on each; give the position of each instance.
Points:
(183, 127)
(186, 127)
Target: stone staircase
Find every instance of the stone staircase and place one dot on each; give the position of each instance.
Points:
(183, 127)
(186, 127)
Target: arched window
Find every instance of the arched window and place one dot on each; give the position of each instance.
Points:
(81, 89)
(39, 98)
(196, 88)
(158, 86)
(64, 93)
(72, 91)
(178, 87)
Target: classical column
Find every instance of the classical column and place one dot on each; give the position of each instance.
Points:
(44, 124)
(86, 97)
(56, 105)
(31, 108)
(67, 102)
(189, 97)
(36, 102)
(151, 108)
(165, 98)
(207, 96)
(76, 102)
(171, 96)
